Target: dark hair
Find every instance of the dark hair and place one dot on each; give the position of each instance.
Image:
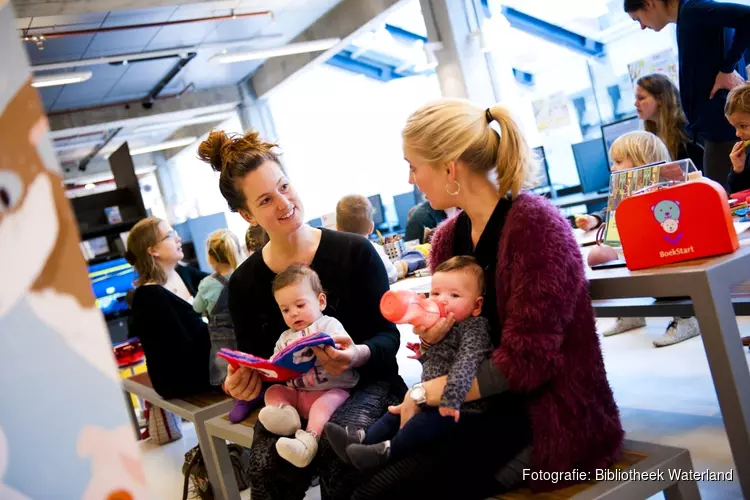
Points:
(255, 238)
(235, 156)
(295, 273)
(354, 214)
(633, 5)
(671, 123)
(465, 263)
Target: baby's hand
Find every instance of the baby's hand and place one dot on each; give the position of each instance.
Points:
(416, 348)
(450, 412)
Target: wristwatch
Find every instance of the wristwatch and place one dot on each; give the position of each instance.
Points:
(418, 394)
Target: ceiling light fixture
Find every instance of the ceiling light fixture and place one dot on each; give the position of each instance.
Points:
(285, 50)
(177, 143)
(61, 79)
(430, 62)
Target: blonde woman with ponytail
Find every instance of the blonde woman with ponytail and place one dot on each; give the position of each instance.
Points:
(548, 401)
(224, 255)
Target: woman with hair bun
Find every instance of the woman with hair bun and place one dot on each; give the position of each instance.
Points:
(255, 185)
(174, 337)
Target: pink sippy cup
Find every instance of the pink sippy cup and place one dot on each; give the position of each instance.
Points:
(405, 306)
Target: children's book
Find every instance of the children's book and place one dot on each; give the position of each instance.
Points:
(627, 183)
(287, 364)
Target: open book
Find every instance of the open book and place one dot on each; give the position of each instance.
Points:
(287, 364)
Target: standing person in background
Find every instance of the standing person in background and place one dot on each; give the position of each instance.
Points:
(657, 101)
(224, 256)
(354, 215)
(710, 64)
(423, 217)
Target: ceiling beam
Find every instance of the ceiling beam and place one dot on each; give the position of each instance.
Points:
(347, 20)
(215, 100)
(35, 8)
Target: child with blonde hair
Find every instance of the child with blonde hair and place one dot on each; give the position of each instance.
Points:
(224, 255)
(631, 150)
(737, 111)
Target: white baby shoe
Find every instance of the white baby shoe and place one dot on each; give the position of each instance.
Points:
(282, 420)
(299, 451)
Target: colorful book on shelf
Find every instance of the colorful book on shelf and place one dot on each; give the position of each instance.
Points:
(287, 364)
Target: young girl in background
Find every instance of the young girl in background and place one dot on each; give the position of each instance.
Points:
(631, 150)
(657, 101)
(224, 255)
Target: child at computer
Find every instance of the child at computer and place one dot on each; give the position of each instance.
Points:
(459, 284)
(737, 111)
(354, 215)
(316, 394)
(631, 150)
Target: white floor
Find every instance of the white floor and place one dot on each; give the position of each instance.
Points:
(665, 396)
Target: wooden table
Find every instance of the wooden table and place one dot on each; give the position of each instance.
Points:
(708, 283)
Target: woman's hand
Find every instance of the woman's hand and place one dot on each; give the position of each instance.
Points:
(586, 222)
(345, 356)
(738, 157)
(407, 409)
(726, 81)
(242, 383)
(436, 332)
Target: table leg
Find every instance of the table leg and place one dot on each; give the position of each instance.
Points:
(682, 490)
(729, 370)
(213, 468)
(227, 489)
(131, 414)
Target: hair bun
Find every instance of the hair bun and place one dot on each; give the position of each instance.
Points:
(221, 149)
(210, 150)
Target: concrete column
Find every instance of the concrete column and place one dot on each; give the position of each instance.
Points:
(464, 70)
(256, 114)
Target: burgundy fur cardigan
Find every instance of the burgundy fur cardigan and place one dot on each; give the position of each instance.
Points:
(550, 349)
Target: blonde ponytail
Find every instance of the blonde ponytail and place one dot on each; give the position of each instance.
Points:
(515, 168)
(456, 130)
(224, 247)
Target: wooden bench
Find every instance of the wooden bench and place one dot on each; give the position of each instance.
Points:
(196, 409)
(220, 430)
(639, 457)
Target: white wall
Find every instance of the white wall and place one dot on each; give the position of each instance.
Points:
(341, 134)
(194, 186)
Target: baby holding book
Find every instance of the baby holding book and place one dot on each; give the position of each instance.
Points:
(314, 395)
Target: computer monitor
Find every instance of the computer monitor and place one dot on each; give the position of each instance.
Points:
(591, 162)
(543, 174)
(111, 281)
(378, 218)
(403, 203)
(611, 131)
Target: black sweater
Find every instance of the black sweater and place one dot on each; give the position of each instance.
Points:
(707, 44)
(354, 279)
(175, 340)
